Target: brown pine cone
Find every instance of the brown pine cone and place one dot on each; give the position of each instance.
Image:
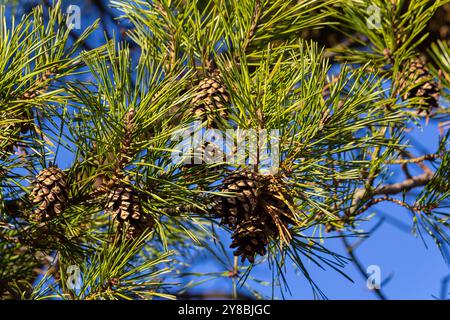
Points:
(49, 193)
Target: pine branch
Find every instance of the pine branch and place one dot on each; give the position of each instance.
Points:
(389, 189)
(116, 125)
(405, 185)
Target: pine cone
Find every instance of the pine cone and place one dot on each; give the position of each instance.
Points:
(210, 102)
(49, 193)
(424, 85)
(255, 213)
(252, 236)
(206, 152)
(245, 189)
(124, 203)
(134, 229)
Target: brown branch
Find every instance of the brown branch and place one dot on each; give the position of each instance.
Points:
(421, 164)
(406, 185)
(375, 201)
(369, 204)
(389, 189)
(405, 169)
(233, 275)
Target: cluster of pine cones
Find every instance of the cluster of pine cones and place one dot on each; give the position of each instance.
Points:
(255, 209)
(256, 212)
(252, 211)
(50, 193)
(50, 198)
(210, 107)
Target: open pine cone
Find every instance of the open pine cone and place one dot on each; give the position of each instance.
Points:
(125, 205)
(49, 193)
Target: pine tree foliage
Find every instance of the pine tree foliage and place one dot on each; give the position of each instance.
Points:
(88, 136)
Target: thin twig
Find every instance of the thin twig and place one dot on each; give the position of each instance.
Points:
(389, 189)
(359, 266)
(375, 201)
(427, 157)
